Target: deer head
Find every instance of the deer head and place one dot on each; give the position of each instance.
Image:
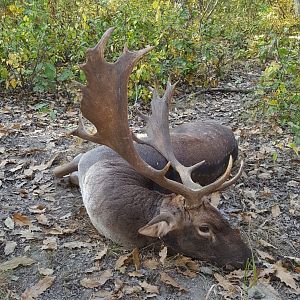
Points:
(187, 222)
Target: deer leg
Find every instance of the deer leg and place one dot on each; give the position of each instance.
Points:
(67, 168)
(74, 179)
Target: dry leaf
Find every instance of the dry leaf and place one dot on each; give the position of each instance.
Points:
(42, 219)
(135, 274)
(49, 243)
(265, 255)
(21, 220)
(97, 281)
(15, 262)
(128, 290)
(215, 199)
(37, 209)
(163, 254)
(57, 230)
(100, 254)
(283, 274)
(39, 288)
(149, 288)
(187, 262)
(225, 284)
(151, 264)
(136, 258)
(9, 247)
(186, 272)
(122, 262)
(45, 271)
(265, 272)
(74, 245)
(9, 223)
(167, 279)
(275, 209)
(266, 244)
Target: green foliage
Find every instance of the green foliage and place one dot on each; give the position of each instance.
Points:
(42, 41)
(196, 42)
(280, 81)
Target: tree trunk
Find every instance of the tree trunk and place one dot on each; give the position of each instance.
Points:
(297, 8)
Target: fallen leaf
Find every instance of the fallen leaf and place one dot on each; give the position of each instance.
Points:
(45, 271)
(283, 274)
(122, 262)
(21, 220)
(96, 281)
(186, 272)
(9, 223)
(27, 234)
(42, 219)
(15, 262)
(265, 255)
(225, 284)
(187, 262)
(149, 288)
(37, 209)
(100, 254)
(275, 209)
(75, 245)
(49, 243)
(163, 254)
(135, 274)
(151, 264)
(9, 247)
(266, 244)
(167, 279)
(57, 230)
(128, 290)
(136, 258)
(38, 289)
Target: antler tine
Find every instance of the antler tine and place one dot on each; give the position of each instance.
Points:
(233, 179)
(100, 47)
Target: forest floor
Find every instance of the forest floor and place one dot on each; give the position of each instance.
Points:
(49, 249)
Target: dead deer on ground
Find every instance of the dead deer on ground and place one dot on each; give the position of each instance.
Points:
(138, 190)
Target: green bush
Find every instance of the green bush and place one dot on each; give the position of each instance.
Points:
(280, 82)
(43, 41)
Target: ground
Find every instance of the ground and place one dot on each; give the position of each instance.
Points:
(50, 250)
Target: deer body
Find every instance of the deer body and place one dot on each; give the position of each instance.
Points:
(158, 187)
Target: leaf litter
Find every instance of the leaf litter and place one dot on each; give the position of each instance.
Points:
(266, 205)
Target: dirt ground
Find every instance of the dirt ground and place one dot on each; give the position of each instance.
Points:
(50, 250)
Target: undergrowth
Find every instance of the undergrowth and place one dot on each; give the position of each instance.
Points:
(196, 42)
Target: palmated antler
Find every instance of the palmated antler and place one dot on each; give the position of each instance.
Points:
(105, 104)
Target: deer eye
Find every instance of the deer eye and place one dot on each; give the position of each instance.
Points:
(204, 229)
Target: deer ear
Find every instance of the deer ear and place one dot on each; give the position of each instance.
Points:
(159, 226)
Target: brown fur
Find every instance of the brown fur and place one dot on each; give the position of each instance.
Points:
(133, 211)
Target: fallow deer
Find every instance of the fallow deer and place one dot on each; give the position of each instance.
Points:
(137, 191)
